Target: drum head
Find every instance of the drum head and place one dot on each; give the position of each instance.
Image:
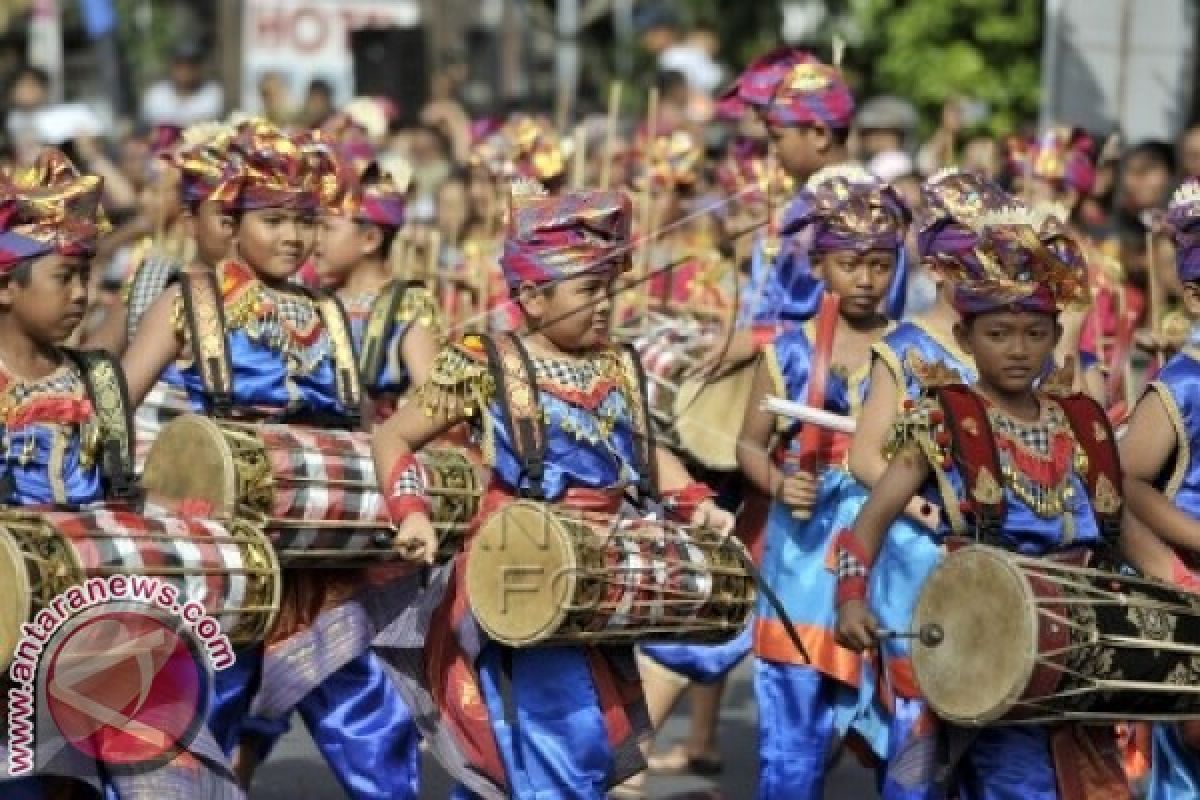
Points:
(988, 617)
(521, 575)
(708, 416)
(191, 461)
(16, 600)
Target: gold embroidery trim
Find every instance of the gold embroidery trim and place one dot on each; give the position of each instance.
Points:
(342, 351)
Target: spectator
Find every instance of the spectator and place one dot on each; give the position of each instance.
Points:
(318, 103)
(884, 124)
(186, 96)
(28, 94)
(981, 154)
(1189, 152)
(1146, 177)
(276, 97)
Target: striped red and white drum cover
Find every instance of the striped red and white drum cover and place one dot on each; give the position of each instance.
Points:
(233, 573)
(313, 491)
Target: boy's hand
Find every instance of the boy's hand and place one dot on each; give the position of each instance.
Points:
(416, 539)
(799, 492)
(857, 628)
(710, 515)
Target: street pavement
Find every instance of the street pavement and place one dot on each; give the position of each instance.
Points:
(295, 770)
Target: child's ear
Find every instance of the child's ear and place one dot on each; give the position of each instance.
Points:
(1191, 299)
(7, 292)
(371, 238)
(532, 298)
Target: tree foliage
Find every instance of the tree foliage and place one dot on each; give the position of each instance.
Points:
(931, 50)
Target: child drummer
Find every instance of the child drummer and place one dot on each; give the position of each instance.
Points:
(808, 699)
(1162, 482)
(290, 358)
(579, 707)
(64, 439)
(1011, 281)
(396, 323)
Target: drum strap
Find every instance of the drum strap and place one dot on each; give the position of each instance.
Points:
(975, 452)
(647, 469)
(1103, 477)
(516, 385)
(818, 375)
(373, 350)
(204, 309)
(347, 381)
(105, 383)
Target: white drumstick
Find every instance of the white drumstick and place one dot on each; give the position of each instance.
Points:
(810, 415)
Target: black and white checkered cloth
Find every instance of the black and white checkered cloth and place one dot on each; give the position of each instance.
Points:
(147, 285)
(1035, 436)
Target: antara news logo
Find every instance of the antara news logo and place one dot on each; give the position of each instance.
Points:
(114, 671)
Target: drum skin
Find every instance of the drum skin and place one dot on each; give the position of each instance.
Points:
(1026, 638)
(708, 416)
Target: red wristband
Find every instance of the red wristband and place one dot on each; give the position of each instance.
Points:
(402, 491)
(763, 335)
(681, 504)
(853, 567)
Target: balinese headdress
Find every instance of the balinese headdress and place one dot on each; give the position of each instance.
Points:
(1183, 216)
(575, 233)
(1064, 156)
(268, 169)
(48, 207)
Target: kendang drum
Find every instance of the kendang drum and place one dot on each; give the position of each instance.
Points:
(708, 416)
(542, 575)
(670, 349)
(1004, 638)
(231, 571)
(313, 491)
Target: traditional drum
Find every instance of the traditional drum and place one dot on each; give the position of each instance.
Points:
(538, 575)
(1005, 638)
(232, 572)
(670, 349)
(708, 416)
(313, 491)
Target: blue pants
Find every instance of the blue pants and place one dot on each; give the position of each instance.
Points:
(910, 763)
(558, 747)
(356, 718)
(703, 663)
(1174, 767)
(1009, 763)
(800, 711)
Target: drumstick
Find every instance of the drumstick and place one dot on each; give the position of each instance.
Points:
(810, 415)
(930, 635)
(579, 161)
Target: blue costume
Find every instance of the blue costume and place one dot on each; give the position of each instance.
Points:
(283, 355)
(804, 708)
(908, 555)
(1175, 766)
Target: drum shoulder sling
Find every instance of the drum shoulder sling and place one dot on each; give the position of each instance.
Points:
(109, 395)
(400, 301)
(204, 312)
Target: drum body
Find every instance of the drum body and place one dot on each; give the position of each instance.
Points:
(313, 491)
(232, 572)
(1027, 639)
(708, 416)
(540, 575)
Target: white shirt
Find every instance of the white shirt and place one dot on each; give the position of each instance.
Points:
(162, 105)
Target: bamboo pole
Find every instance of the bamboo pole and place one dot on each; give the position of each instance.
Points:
(610, 136)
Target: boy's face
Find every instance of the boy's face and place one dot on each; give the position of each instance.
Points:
(1010, 348)
(1145, 183)
(275, 242)
(341, 245)
(801, 150)
(860, 280)
(54, 301)
(573, 314)
(212, 230)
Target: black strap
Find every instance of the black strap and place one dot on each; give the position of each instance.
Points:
(346, 377)
(379, 324)
(769, 595)
(648, 468)
(527, 430)
(205, 312)
(109, 395)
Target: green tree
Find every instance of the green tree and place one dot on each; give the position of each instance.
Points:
(931, 50)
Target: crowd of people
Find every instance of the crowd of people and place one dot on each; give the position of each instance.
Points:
(960, 330)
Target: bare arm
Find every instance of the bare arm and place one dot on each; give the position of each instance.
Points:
(1093, 384)
(405, 432)
(110, 334)
(154, 347)
(906, 473)
(1144, 550)
(758, 427)
(1145, 451)
(418, 348)
(875, 421)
